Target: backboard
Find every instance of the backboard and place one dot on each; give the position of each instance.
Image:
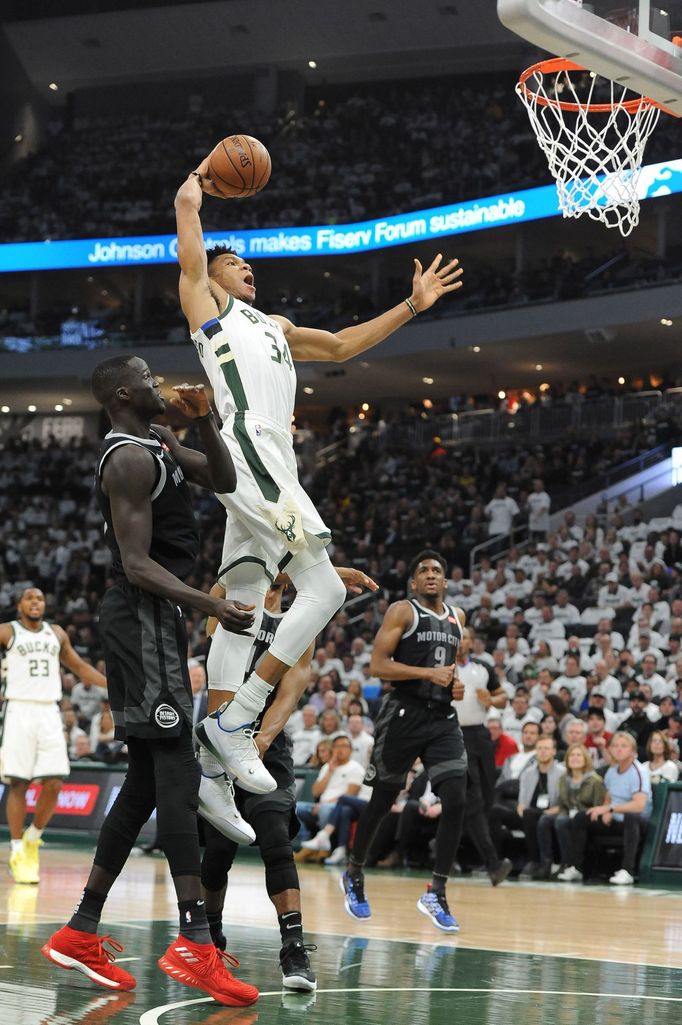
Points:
(633, 42)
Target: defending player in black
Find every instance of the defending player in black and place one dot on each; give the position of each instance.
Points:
(150, 527)
(415, 649)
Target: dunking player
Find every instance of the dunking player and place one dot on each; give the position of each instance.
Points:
(415, 649)
(33, 745)
(481, 692)
(272, 815)
(150, 527)
(272, 524)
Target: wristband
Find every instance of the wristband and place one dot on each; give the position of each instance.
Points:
(205, 416)
(411, 307)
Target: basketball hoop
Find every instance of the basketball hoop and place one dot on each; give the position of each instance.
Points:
(594, 149)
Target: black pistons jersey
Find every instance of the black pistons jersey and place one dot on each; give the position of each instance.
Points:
(278, 758)
(431, 640)
(175, 534)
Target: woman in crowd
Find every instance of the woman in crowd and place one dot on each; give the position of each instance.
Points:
(660, 765)
(580, 788)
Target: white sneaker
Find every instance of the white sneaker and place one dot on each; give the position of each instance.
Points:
(570, 875)
(338, 856)
(217, 805)
(320, 842)
(236, 751)
(622, 878)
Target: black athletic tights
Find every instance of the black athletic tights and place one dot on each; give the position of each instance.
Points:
(162, 774)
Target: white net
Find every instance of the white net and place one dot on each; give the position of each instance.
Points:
(593, 137)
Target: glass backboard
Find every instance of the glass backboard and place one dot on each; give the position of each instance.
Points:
(635, 42)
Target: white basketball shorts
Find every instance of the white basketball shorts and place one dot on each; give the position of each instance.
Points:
(33, 744)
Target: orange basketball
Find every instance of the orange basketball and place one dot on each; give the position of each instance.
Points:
(239, 166)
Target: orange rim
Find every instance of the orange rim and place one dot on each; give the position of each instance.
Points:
(556, 64)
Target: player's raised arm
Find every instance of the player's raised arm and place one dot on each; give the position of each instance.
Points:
(397, 620)
(197, 301)
(427, 288)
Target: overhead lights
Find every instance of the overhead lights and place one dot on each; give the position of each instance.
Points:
(365, 407)
(308, 390)
(364, 364)
(312, 64)
(501, 394)
(19, 137)
(544, 386)
(621, 380)
(4, 409)
(31, 409)
(53, 86)
(161, 380)
(427, 404)
(361, 416)
(67, 402)
(475, 348)
(59, 408)
(538, 366)
(427, 380)
(666, 322)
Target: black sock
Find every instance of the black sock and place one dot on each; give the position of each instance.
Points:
(88, 911)
(215, 924)
(193, 922)
(438, 884)
(290, 926)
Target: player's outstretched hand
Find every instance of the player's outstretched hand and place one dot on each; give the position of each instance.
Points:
(191, 400)
(234, 616)
(441, 675)
(430, 284)
(355, 580)
(204, 179)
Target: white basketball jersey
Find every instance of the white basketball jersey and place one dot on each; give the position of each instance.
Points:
(248, 363)
(32, 665)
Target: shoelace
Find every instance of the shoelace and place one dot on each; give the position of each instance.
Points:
(224, 955)
(299, 954)
(357, 888)
(439, 902)
(247, 743)
(103, 953)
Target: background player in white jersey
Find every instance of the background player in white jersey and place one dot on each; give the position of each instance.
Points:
(272, 524)
(33, 744)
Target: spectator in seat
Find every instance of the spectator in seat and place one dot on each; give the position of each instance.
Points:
(362, 742)
(580, 788)
(660, 764)
(306, 738)
(548, 629)
(613, 595)
(550, 728)
(638, 722)
(538, 792)
(625, 811)
(515, 717)
(572, 679)
(503, 743)
(500, 511)
(598, 737)
(322, 754)
(564, 611)
(648, 675)
(340, 776)
(538, 505)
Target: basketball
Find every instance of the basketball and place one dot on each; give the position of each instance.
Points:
(239, 166)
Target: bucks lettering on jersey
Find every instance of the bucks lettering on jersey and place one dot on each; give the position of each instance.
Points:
(32, 665)
(247, 361)
(431, 640)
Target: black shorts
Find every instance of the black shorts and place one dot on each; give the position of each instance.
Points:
(145, 649)
(405, 731)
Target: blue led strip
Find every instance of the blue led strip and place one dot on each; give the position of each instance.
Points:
(323, 240)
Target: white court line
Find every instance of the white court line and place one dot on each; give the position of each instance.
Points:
(151, 1017)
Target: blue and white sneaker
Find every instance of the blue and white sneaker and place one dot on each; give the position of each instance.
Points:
(436, 907)
(236, 751)
(355, 902)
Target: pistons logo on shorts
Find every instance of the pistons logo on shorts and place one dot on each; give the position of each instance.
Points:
(166, 717)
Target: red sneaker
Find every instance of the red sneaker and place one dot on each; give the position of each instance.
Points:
(202, 965)
(85, 951)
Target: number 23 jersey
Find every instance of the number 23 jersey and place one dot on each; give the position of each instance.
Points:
(32, 665)
(247, 361)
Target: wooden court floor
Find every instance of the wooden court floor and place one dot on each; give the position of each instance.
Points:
(527, 953)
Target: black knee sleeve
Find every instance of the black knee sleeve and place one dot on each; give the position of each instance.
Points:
(219, 855)
(272, 834)
(177, 775)
(452, 793)
(129, 812)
